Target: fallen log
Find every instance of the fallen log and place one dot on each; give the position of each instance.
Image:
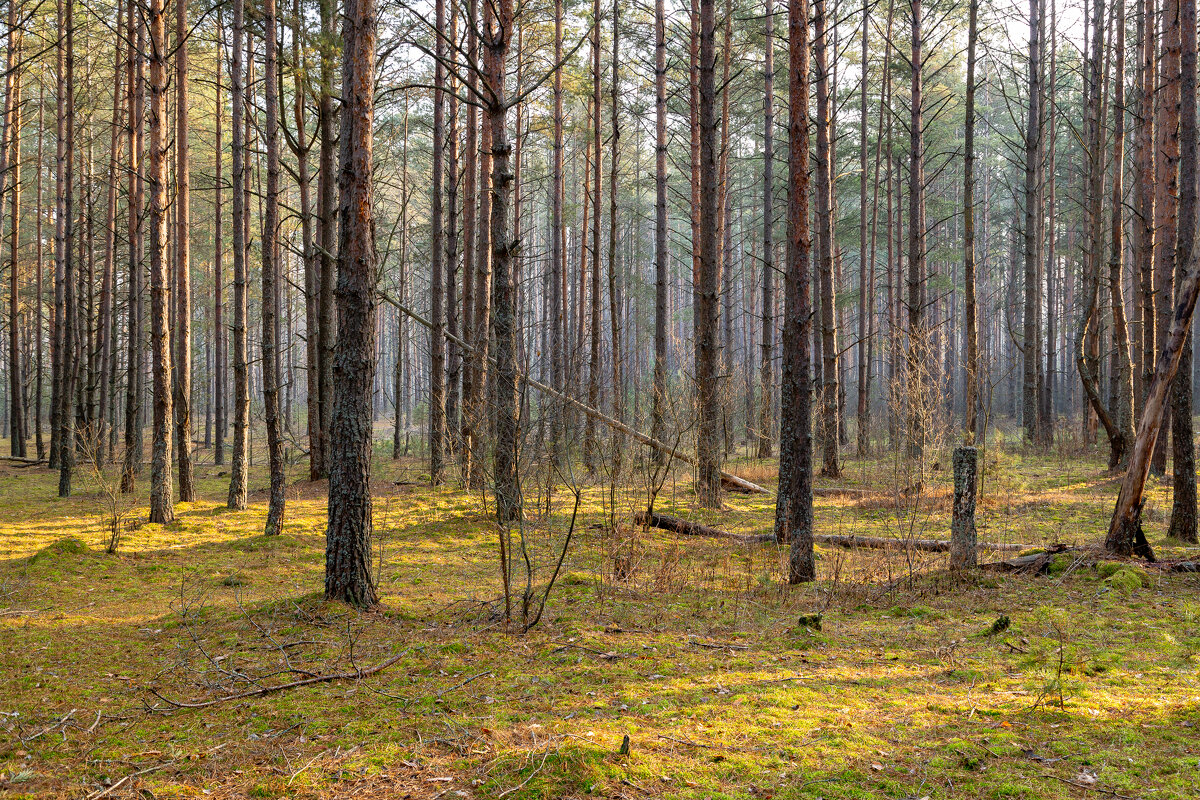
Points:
(925, 545)
(728, 480)
(686, 528)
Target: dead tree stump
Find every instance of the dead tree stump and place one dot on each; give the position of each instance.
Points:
(962, 526)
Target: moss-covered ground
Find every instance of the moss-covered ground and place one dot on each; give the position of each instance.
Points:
(910, 685)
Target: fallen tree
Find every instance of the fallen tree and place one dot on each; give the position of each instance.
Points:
(729, 480)
(685, 527)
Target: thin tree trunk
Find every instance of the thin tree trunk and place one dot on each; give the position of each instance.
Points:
(272, 277)
(182, 333)
(10, 142)
(825, 238)
(241, 382)
(437, 347)
(136, 94)
(969, 279)
(765, 421)
(220, 346)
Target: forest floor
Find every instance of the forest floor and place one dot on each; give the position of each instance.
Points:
(690, 647)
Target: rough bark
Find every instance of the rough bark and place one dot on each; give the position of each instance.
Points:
(161, 488)
(970, 319)
(662, 255)
(765, 422)
(437, 348)
(794, 505)
(348, 575)
(1183, 456)
(823, 219)
(241, 385)
(272, 277)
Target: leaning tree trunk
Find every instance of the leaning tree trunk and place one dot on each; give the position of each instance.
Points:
(348, 538)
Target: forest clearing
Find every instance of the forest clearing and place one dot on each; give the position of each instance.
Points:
(904, 685)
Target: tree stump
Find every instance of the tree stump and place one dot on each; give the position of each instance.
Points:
(962, 526)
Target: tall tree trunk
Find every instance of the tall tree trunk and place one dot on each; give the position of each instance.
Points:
(707, 283)
(1031, 334)
(161, 490)
(1166, 201)
(220, 343)
(1142, 224)
(969, 279)
(135, 89)
(1121, 403)
(557, 278)
(182, 333)
(272, 277)
(593, 386)
(765, 422)
(241, 378)
(917, 334)
(793, 509)
(866, 279)
(437, 348)
(327, 219)
(348, 575)
(1183, 456)
(825, 257)
(10, 142)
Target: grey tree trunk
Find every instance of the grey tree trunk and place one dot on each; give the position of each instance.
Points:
(241, 383)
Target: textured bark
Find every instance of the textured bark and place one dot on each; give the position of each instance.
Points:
(1031, 339)
(593, 384)
(1121, 393)
(135, 101)
(706, 285)
(1086, 356)
(765, 421)
(1183, 456)
(823, 220)
(503, 290)
(39, 362)
(1142, 224)
(161, 488)
(614, 252)
(454, 356)
(866, 278)
(794, 504)
(241, 384)
(662, 254)
(220, 341)
(348, 538)
(68, 320)
(10, 143)
(437, 347)
(1125, 536)
(962, 525)
(272, 277)
(182, 329)
(557, 277)
(970, 320)
(917, 334)
(1166, 188)
(327, 220)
